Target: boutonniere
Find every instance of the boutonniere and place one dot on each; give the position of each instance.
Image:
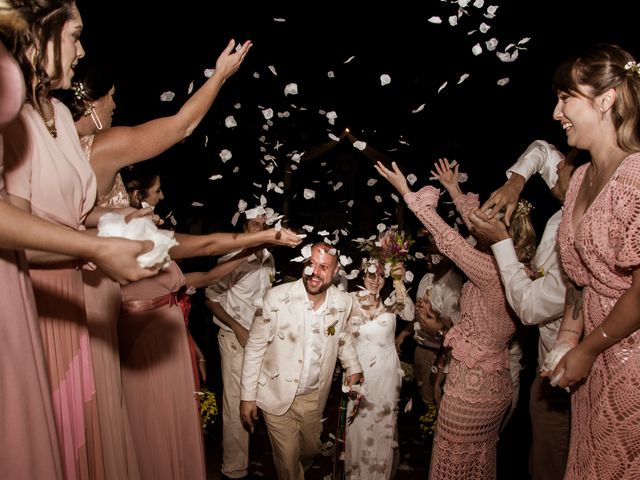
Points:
(331, 329)
(540, 272)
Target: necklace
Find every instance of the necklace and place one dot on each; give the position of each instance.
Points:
(591, 175)
(51, 123)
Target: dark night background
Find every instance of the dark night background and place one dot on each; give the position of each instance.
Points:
(153, 47)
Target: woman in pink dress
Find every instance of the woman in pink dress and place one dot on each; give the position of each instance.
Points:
(109, 149)
(599, 109)
(478, 388)
(157, 377)
(46, 173)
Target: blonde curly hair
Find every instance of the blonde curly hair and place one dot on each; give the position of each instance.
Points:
(522, 232)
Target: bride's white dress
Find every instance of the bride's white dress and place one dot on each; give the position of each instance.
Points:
(372, 438)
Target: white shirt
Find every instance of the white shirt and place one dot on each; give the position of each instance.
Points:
(238, 292)
(540, 301)
(444, 296)
(314, 339)
(539, 157)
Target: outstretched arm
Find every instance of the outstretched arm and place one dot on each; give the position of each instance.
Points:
(218, 243)
(115, 256)
(118, 147)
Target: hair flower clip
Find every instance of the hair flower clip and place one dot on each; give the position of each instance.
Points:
(79, 91)
(523, 207)
(633, 67)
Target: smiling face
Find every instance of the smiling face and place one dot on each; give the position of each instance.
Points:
(579, 117)
(373, 282)
(70, 51)
(320, 270)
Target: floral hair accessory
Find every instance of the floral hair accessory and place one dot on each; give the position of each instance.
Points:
(523, 208)
(79, 91)
(372, 265)
(633, 67)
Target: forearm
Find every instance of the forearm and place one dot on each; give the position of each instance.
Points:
(217, 273)
(194, 109)
(572, 325)
(622, 321)
(215, 243)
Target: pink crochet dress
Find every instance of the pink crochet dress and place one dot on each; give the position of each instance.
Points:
(478, 389)
(599, 254)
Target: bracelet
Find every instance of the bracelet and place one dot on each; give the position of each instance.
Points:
(202, 360)
(609, 337)
(571, 330)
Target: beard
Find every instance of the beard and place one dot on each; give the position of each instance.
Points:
(315, 289)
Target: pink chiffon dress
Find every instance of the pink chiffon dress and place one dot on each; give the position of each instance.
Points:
(103, 301)
(158, 380)
(55, 177)
(599, 254)
(478, 389)
(28, 438)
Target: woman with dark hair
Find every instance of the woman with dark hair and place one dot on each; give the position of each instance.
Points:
(157, 378)
(599, 109)
(478, 389)
(110, 149)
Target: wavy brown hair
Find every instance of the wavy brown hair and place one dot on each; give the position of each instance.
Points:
(598, 69)
(45, 20)
(522, 232)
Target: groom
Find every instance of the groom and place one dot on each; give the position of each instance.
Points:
(290, 357)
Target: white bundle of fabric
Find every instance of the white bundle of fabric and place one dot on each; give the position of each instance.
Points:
(143, 228)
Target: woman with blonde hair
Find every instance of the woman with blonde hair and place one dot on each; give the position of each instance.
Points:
(599, 109)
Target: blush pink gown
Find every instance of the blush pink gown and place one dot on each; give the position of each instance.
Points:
(55, 177)
(478, 389)
(157, 379)
(28, 439)
(599, 255)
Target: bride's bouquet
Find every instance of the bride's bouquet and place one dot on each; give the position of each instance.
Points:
(394, 248)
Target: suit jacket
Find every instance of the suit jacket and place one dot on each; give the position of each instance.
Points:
(273, 354)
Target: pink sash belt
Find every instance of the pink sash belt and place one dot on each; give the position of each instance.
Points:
(134, 306)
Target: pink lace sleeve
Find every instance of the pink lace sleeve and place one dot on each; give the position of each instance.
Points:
(626, 208)
(478, 267)
(466, 204)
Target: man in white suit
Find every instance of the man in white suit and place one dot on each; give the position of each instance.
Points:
(290, 357)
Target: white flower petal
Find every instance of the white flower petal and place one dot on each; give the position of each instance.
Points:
(190, 89)
(330, 74)
(463, 77)
(208, 72)
(385, 79)
(348, 60)
(411, 179)
(291, 89)
(436, 20)
(360, 145)
(477, 49)
(371, 182)
(503, 81)
(334, 138)
(419, 109)
(167, 96)
(309, 194)
(491, 44)
(225, 155)
(381, 227)
(442, 87)
(197, 204)
(267, 113)
(230, 122)
(215, 177)
(273, 70)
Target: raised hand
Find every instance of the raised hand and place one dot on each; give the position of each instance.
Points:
(447, 176)
(394, 176)
(229, 61)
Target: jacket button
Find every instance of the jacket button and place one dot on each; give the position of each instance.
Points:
(300, 361)
(295, 381)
